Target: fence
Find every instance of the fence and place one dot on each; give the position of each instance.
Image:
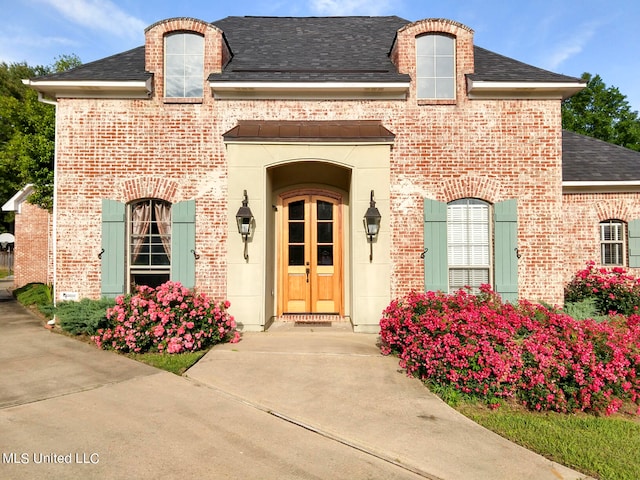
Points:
(6, 260)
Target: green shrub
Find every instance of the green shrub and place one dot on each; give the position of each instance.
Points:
(613, 290)
(83, 317)
(34, 294)
(582, 309)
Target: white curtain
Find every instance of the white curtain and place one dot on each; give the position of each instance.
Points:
(163, 220)
(140, 220)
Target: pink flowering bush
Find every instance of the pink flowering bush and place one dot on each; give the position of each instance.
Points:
(495, 351)
(170, 319)
(612, 289)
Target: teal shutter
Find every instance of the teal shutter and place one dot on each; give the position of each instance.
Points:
(183, 243)
(436, 266)
(113, 247)
(634, 243)
(506, 241)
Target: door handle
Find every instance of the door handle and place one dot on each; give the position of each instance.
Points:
(307, 270)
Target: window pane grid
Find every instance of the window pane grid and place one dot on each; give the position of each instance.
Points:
(149, 242)
(612, 234)
(184, 65)
(435, 67)
(468, 244)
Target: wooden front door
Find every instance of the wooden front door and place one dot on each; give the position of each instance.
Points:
(311, 253)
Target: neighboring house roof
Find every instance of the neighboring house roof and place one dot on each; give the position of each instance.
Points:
(309, 49)
(589, 161)
(15, 202)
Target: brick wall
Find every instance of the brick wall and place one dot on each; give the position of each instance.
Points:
(490, 149)
(32, 255)
(582, 213)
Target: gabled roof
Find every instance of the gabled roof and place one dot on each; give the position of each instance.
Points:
(587, 161)
(309, 49)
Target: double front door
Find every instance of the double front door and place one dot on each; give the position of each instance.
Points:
(311, 253)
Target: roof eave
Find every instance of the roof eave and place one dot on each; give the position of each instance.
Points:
(481, 89)
(15, 202)
(601, 186)
(92, 88)
(310, 90)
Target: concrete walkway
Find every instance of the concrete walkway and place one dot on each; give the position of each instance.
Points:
(291, 403)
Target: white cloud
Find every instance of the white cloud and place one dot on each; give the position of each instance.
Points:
(101, 15)
(571, 46)
(352, 7)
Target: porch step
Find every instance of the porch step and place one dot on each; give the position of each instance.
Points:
(311, 318)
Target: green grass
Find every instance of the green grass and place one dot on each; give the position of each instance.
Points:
(607, 448)
(177, 363)
(4, 272)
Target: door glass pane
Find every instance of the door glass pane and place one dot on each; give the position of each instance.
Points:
(325, 210)
(296, 232)
(296, 254)
(325, 232)
(325, 254)
(296, 210)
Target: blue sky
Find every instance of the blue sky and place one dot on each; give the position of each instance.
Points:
(565, 36)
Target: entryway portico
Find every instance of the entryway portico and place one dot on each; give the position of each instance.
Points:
(308, 186)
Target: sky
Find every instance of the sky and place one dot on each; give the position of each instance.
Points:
(565, 36)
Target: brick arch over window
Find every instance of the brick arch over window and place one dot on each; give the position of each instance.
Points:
(471, 187)
(610, 209)
(150, 187)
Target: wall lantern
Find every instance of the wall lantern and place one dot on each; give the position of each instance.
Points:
(244, 217)
(372, 224)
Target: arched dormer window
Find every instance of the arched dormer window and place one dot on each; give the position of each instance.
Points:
(184, 65)
(436, 66)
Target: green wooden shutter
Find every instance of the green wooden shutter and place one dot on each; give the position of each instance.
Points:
(634, 243)
(113, 248)
(506, 241)
(436, 276)
(183, 243)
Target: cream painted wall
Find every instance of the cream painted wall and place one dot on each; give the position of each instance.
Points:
(265, 170)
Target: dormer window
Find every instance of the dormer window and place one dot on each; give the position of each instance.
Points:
(184, 65)
(435, 67)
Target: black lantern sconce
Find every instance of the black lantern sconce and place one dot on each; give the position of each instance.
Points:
(244, 217)
(372, 224)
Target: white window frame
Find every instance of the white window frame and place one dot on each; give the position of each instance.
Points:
(469, 243)
(183, 65)
(616, 232)
(154, 239)
(436, 67)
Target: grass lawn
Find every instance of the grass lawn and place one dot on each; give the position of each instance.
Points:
(607, 448)
(4, 272)
(177, 363)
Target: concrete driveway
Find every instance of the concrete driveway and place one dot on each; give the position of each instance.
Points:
(291, 403)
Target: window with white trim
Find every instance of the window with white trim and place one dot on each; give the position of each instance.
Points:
(612, 242)
(468, 244)
(435, 66)
(184, 65)
(149, 244)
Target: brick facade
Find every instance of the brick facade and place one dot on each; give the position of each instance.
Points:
(33, 255)
(489, 149)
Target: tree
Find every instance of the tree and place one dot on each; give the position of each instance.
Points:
(27, 133)
(602, 112)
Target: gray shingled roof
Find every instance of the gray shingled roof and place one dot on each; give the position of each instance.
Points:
(493, 67)
(302, 49)
(587, 159)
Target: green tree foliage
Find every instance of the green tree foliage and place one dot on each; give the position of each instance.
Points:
(602, 112)
(27, 134)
